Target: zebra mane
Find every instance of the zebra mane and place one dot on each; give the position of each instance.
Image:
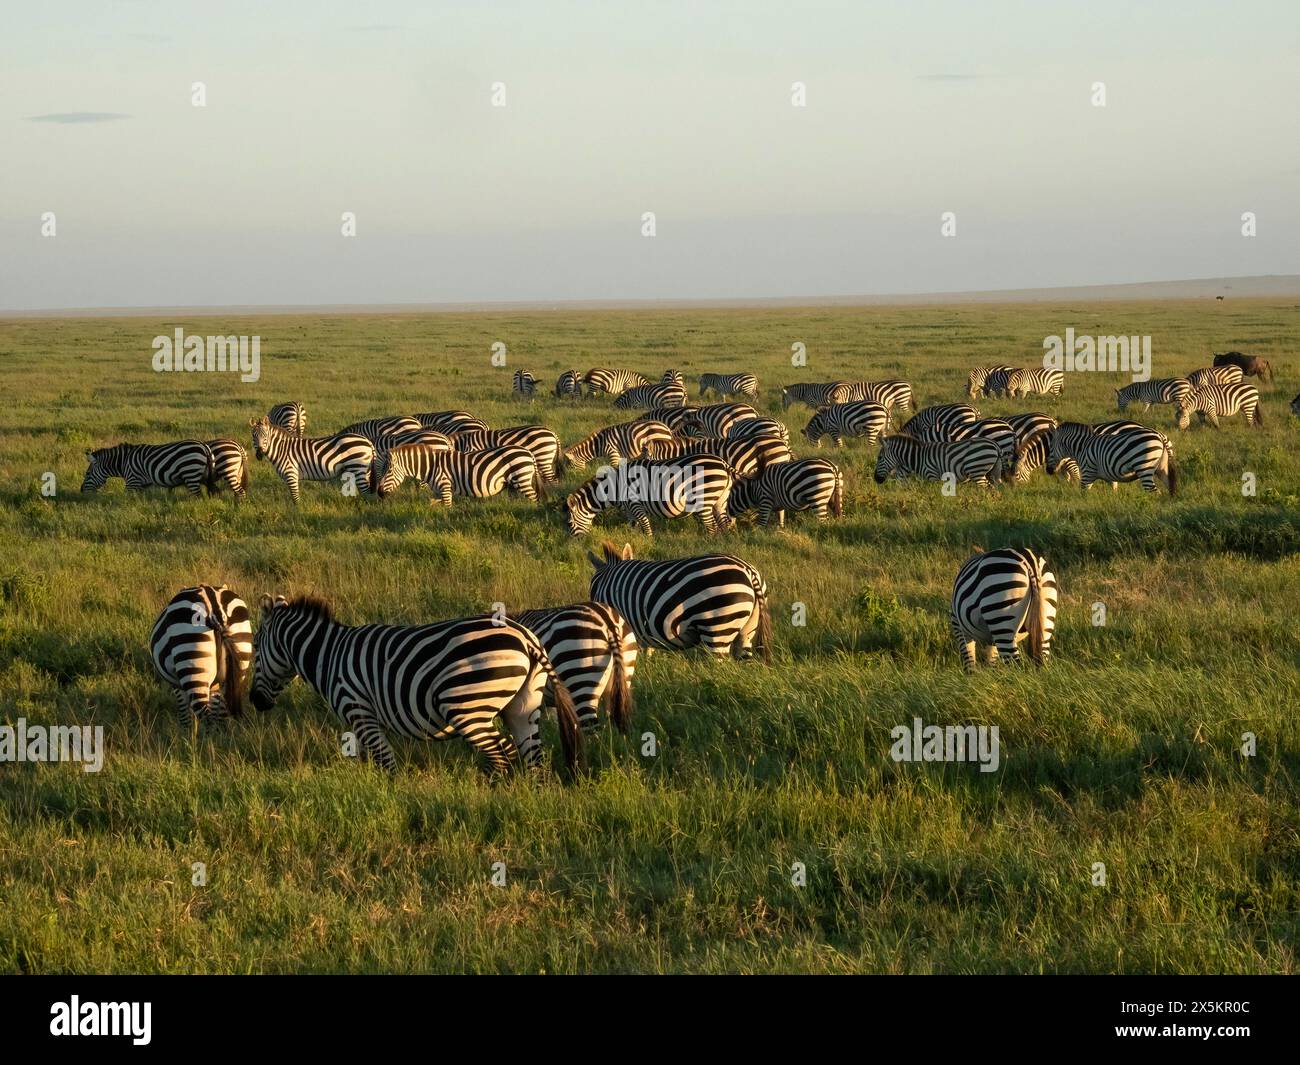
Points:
(312, 604)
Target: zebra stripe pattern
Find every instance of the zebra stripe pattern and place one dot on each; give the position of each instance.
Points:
(866, 419)
(976, 460)
(988, 380)
(202, 648)
(1212, 402)
(439, 441)
(645, 488)
(452, 678)
(185, 464)
(524, 384)
(808, 484)
(594, 652)
(478, 474)
(889, 394)
(377, 429)
(450, 421)
(1215, 375)
(1042, 380)
(611, 382)
(729, 384)
(291, 417)
(324, 458)
(683, 421)
(1159, 390)
(569, 385)
(814, 395)
(1031, 453)
(541, 441)
(1000, 432)
(1000, 598)
(749, 428)
(229, 467)
(662, 394)
(718, 419)
(746, 457)
(1116, 453)
(614, 443)
(718, 602)
(939, 421)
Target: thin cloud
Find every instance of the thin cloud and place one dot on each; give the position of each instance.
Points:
(69, 118)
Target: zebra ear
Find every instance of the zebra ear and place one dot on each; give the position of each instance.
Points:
(977, 549)
(252, 422)
(266, 602)
(90, 455)
(627, 552)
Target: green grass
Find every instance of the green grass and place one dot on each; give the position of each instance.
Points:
(1125, 750)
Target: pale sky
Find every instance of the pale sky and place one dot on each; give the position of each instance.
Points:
(614, 109)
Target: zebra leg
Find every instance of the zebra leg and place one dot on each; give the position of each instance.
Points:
(780, 519)
(291, 479)
(638, 517)
(369, 733)
(522, 716)
(479, 731)
(1004, 649)
(965, 645)
(185, 716)
(1148, 480)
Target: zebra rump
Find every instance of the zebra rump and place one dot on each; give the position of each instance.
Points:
(999, 598)
(202, 647)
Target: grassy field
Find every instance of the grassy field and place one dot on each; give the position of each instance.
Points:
(1125, 750)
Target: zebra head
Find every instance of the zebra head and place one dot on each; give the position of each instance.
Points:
(1121, 398)
(280, 635)
(262, 433)
(386, 474)
(102, 466)
(1183, 411)
(887, 463)
(1030, 454)
(815, 429)
(578, 510)
(743, 496)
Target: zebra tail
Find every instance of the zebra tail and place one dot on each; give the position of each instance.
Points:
(243, 474)
(1259, 415)
(837, 496)
(620, 694)
(232, 684)
(539, 485)
(566, 714)
(1036, 606)
(764, 634)
(1171, 471)
(210, 474)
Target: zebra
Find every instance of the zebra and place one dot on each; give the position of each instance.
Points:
(299, 458)
(750, 428)
(611, 382)
(202, 647)
(1001, 432)
(538, 439)
(718, 602)
(388, 441)
(864, 419)
(1159, 390)
(630, 440)
(1031, 453)
(814, 395)
(569, 385)
(1115, 453)
(449, 421)
(1044, 380)
(376, 429)
(941, 418)
(1028, 423)
(977, 460)
(594, 652)
(746, 457)
(673, 377)
(660, 394)
(450, 678)
(185, 463)
(229, 467)
(717, 419)
(669, 488)
(478, 474)
(525, 384)
(988, 380)
(730, 384)
(889, 394)
(682, 421)
(1211, 402)
(809, 484)
(291, 417)
(1215, 375)
(1000, 598)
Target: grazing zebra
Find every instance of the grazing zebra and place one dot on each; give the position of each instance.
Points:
(814, 395)
(1215, 375)
(889, 394)
(1250, 365)
(291, 417)
(669, 488)
(683, 421)
(614, 443)
(809, 484)
(1031, 453)
(718, 602)
(229, 467)
(1029, 423)
(449, 678)
(754, 427)
(525, 384)
(723, 385)
(478, 474)
(847, 419)
(1115, 453)
(660, 394)
(538, 439)
(611, 382)
(302, 458)
(940, 419)
(450, 421)
(1043, 380)
(1000, 598)
(387, 442)
(745, 457)
(999, 431)
(977, 460)
(569, 385)
(717, 419)
(202, 646)
(377, 429)
(186, 463)
(1158, 390)
(594, 652)
(1212, 402)
(988, 380)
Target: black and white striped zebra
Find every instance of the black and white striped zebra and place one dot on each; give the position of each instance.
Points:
(646, 488)
(594, 652)
(660, 394)
(538, 439)
(451, 678)
(1212, 402)
(998, 430)
(569, 385)
(1159, 390)
(866, 419)
(1115, 453)
(988, 380)
(477, 474)
(431, 437)
(718, 419)
(377, 429)
(938, 422)
(291, 417)
(718, 602)
(1040, 380)
(184, 464)
(806, 484)
(229, 467)
(1031, 454)
(450, 421)
(892, 395)
(202, 648)
(673, 377)
(1000, 598)
(604, 381)
(749, 428)
(614, 443)
(977, 460)
(746, 457)
(523, 385)
(723, 385)
(1028, 423)
(1215, 375)
(814, 395)
(683, 421)
(301, 458)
